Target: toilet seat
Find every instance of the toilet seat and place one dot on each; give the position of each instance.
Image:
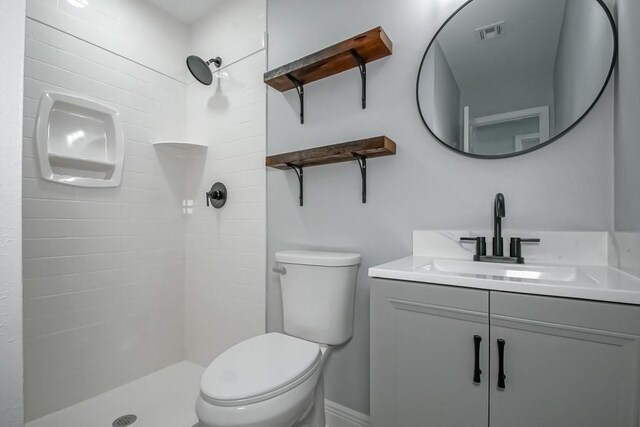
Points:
(259, 368)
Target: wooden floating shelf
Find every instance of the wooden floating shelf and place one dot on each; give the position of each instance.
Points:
(337, 153)
(359, 151)
(354, 52)
(372, 45)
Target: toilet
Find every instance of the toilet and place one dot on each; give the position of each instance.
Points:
(275, 379)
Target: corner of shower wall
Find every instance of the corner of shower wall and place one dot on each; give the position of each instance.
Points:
(226, 248)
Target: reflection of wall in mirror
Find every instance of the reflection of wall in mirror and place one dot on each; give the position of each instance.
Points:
(519, 93)
(508, 73)
(582, 61)
(504, 133)
(505, 136)
(444, 102)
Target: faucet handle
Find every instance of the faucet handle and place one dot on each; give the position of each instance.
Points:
(515, 247)
(481, 246)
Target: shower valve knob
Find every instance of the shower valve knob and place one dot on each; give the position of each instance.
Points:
(217, 196)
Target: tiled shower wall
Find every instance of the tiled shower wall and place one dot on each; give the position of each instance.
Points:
(103, 268)
(225, 248)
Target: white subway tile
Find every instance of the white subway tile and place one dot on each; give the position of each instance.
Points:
(102, 267)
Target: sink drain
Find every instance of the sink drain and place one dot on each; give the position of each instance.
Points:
(125, 420)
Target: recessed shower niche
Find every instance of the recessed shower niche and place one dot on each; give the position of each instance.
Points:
(79, 141)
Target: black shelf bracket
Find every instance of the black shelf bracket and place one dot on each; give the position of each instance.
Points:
(300, 89)
(300, 173)
(362, 65)
(362, 163)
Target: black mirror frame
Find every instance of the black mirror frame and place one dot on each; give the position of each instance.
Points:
(614, 61)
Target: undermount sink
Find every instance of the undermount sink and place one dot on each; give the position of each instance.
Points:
(513, 271)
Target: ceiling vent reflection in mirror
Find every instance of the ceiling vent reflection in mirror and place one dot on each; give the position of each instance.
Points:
(79, 141)
(491, 31)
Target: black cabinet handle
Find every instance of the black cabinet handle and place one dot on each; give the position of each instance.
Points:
(476, 366)
(501, 375)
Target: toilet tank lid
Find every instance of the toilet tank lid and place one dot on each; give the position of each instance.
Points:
(326, 259)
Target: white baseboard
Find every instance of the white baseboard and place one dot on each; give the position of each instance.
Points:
(341, 416)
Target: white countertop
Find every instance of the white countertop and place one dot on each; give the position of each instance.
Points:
(598, 283)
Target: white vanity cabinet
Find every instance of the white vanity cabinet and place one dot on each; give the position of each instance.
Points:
(567, 363)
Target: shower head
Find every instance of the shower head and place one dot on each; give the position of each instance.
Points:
(200, 69)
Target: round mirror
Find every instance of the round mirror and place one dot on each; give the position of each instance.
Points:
(506, 77)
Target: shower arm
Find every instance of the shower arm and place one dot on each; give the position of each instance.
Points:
(238, 60)
(216, 61)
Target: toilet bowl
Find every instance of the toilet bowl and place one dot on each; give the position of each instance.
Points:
(275, 379)
(267, 381)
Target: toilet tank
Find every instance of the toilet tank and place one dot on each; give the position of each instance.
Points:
(318, 291)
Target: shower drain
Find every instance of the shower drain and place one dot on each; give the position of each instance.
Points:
(125, 420)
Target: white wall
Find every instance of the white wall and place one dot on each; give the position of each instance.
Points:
(135, 30)
(12, 47)
(225, 248)
(232, 30)
(627, 137)
(565, 186)
(105, 298)
(103, 268)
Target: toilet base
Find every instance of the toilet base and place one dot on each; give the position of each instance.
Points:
(314, 416)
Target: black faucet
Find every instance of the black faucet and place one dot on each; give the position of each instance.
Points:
(515, 248)
(498, 214)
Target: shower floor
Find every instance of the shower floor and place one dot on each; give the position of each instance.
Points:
(165, 398)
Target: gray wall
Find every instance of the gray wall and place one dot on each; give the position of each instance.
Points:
(499, 138)
(12, 18)
(627, 138)
(517, 93)
(446, 95)
(583, 60)
(504, 95)
(565, 186)
(440, 96)
(627, 125)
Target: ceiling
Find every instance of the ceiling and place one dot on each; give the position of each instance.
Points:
(528, 47)
(187, 11)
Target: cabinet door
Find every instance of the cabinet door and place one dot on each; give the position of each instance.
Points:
(567, 363)
(423, 355)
